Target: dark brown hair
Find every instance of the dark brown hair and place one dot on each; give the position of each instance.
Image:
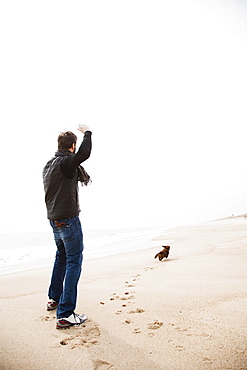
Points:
(66, 139)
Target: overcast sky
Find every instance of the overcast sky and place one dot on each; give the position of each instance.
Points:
(163, 86)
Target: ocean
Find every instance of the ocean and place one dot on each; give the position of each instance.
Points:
(24, 251)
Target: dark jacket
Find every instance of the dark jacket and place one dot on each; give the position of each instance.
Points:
(60, 180)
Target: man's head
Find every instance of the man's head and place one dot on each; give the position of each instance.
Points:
(67, 140)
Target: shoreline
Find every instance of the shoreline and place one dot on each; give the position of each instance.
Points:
(31, 251)
(34, 240)
(187, 312)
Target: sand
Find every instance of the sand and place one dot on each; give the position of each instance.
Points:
(186, 312)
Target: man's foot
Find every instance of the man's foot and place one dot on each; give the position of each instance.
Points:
(72, 320)
(51, 305)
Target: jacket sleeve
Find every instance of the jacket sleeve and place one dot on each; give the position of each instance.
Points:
(70, 163)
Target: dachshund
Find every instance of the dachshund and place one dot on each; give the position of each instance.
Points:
(164, 253)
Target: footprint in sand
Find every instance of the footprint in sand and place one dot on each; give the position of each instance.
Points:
(137, 310)
(47, 318)
(147, 268)
(180, 329)
(126, 298)
(136, 277)
(86, 335)
(129, 285)
(155, 325)
(114, 296)
(101, 365)
(180, 348)
(137, 331)
(207, 360)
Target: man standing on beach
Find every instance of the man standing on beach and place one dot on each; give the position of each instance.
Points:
(60, 177)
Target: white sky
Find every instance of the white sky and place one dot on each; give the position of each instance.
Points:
(163, 86)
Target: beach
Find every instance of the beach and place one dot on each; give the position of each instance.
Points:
(185, 312)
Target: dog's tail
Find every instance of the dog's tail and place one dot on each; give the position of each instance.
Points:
(156, 255)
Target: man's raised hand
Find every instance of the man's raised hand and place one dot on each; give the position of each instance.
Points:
(83, 128)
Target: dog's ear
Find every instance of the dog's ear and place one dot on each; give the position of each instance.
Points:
(166, 247)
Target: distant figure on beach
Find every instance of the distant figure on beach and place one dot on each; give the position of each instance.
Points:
(61, 175)
(164, 253)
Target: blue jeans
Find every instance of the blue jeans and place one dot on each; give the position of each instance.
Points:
(67, 267)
